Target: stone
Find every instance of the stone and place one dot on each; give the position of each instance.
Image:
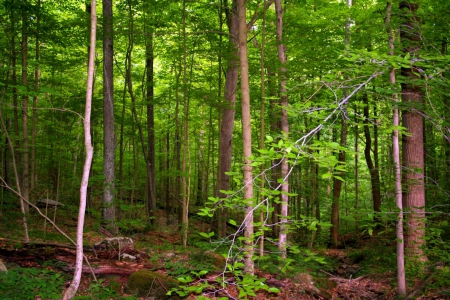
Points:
(3, 268)
(115, 243)
(145, 283)
(127, 257)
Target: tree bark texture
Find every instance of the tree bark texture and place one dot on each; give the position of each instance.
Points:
(284, 128)
(228, 112)
(413, 141)
(108, 118)
(247, 141)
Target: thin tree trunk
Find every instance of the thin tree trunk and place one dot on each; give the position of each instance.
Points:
(263, 133)
(149, 57)
(186, 175)
(401, 278)
(284, 128)
(247, 142)
(25, 146)
(72, 289)
(37, 75)
(374, 174)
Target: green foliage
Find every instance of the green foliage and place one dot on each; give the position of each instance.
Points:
(249, 284)
(98, 290)
(29, 283)
(441, 280)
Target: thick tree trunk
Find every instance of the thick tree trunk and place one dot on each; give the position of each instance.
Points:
(247, 142)
(412, 143)
(108, 119)
(228, 112)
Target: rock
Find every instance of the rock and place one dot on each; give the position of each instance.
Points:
(115, 243)
(48, 202)
(3, 268)
(145, 283)
(127, 257)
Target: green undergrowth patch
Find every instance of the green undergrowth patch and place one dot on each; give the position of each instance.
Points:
(373, 260)
(29, 283)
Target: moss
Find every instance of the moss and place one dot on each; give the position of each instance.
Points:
(145, 283)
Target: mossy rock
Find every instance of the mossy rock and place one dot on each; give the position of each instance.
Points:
(145, 283)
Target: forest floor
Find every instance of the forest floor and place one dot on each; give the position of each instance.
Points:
(161, 251)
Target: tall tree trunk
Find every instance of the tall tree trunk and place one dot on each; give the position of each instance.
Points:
(25, 146)
(228, 111)
(401, 277)
(37, 75)
(186, 175)
(247, 141)
(72, 289)
(412, 143)
(108, 119)
(263, 130)
(284, 128)
(149, 59)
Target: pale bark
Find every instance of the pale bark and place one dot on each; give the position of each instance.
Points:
(262, 125)
(247, 141)
(108, 119)
(72, 289)
(284, 128)
(401, 278)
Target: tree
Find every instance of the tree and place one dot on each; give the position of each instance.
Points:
(108, 118)
(247, 140)
(412, 141)
(401, 280)
(284, 128)
(70, 292)
(228, 110)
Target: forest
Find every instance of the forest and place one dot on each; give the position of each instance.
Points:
(224, 149)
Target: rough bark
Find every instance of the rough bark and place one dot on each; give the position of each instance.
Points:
(413, 141)
(108, 118)
(228, 112)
